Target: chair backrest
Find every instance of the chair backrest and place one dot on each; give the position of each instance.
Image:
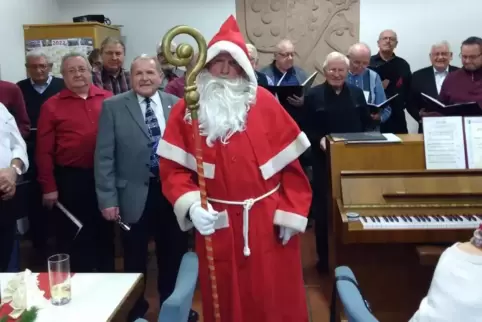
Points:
(349, 293)
(176, 308)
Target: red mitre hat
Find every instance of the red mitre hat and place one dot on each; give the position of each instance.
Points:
(229, 39)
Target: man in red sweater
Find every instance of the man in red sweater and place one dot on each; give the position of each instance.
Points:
(66, 138)
(11, 96)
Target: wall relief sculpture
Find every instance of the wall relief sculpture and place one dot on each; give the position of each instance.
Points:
(316, 27)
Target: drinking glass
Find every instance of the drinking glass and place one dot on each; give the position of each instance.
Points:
(59, 278)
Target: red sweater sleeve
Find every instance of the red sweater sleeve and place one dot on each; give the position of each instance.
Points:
(20, 111)
(45, 148)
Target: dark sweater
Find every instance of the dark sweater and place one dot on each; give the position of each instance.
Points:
(34, 100)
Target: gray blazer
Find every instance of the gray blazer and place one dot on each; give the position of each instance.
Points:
(122, 154)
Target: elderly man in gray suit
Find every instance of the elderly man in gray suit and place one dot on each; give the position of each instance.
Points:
(127, 176)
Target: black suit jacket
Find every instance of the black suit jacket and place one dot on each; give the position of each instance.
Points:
(423, 81)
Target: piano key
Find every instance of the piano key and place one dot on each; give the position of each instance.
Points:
(408, 222)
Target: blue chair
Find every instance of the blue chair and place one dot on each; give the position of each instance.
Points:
(176, 308)
(356, 307)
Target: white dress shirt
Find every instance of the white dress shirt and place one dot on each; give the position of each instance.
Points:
(455, 294)
(156, 105)
(439, 78)
(12, 145)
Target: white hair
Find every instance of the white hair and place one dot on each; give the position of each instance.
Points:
(284, 43)
(159, 47)
(72, 55)
(253, 51)
(335, 56)
(443, 43)
(37, 54)
(355, 48)
(148, 58)
(224, 105)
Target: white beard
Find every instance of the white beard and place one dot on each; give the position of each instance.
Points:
(224, 106)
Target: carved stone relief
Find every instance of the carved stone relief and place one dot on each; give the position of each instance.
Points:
(316, 27)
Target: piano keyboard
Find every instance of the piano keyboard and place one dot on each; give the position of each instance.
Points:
(421, 222)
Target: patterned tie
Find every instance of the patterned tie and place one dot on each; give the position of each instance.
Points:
(155, 135)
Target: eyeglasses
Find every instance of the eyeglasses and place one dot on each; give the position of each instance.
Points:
(391, 39)
(286, 55)
(74, 71)
(334, 71)
(469, 57)
(441, 54)
(38, 66)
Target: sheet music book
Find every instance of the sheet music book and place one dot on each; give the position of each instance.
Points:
(388, 138)
(357, 136)
(444, 143)
(69, 215)
(473, 139)
(375, 108)
(283, 92)
(459, 109)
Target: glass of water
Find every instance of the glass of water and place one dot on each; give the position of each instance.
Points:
(59, 278)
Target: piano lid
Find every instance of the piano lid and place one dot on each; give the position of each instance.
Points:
(417, 188)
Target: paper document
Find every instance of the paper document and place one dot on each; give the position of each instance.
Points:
(473, 137)
(70, 216)
(444, 143)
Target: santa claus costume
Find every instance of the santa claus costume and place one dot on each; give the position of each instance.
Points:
(255, 181)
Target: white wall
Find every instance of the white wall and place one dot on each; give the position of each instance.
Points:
(419, 24)
(14, 14)
(146, 21)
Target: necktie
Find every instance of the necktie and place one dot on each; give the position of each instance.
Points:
(154, 134)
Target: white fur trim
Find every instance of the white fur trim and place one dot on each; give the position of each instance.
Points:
(187, 160)
(286, 156)
(290, 220)
(181, 208)
(237, 53)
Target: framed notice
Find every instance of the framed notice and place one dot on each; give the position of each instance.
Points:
(55, 49)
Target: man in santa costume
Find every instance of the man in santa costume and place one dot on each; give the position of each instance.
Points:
(258, 194)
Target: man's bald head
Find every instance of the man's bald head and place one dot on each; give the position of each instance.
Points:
(359, 56)
(387, 41)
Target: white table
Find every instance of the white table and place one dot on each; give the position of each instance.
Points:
(95, 297)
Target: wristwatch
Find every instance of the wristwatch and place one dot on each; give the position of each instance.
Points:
(17, 169)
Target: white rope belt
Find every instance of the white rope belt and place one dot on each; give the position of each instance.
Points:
(247, 205)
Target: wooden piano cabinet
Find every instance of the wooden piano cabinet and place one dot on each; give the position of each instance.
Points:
(383, 181)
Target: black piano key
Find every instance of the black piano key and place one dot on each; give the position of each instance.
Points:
(363, 218)
(404, 218)
(385, 219)
(409, 218)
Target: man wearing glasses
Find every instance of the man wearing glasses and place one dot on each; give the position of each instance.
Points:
(283, 73)
(396, 78)
(36, 90)
(465, 84)
(66, 139)
(429, 80)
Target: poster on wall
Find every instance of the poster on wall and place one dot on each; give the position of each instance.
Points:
(55, 49)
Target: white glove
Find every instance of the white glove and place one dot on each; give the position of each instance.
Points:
(202, 219)
(285, 234)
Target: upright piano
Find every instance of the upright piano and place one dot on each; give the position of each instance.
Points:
(383, 207)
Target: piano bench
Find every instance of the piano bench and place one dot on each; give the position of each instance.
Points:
(428, 255)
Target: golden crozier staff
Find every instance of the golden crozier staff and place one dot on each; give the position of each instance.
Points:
(185, 54)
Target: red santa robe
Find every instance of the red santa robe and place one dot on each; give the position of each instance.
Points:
(260, 166)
